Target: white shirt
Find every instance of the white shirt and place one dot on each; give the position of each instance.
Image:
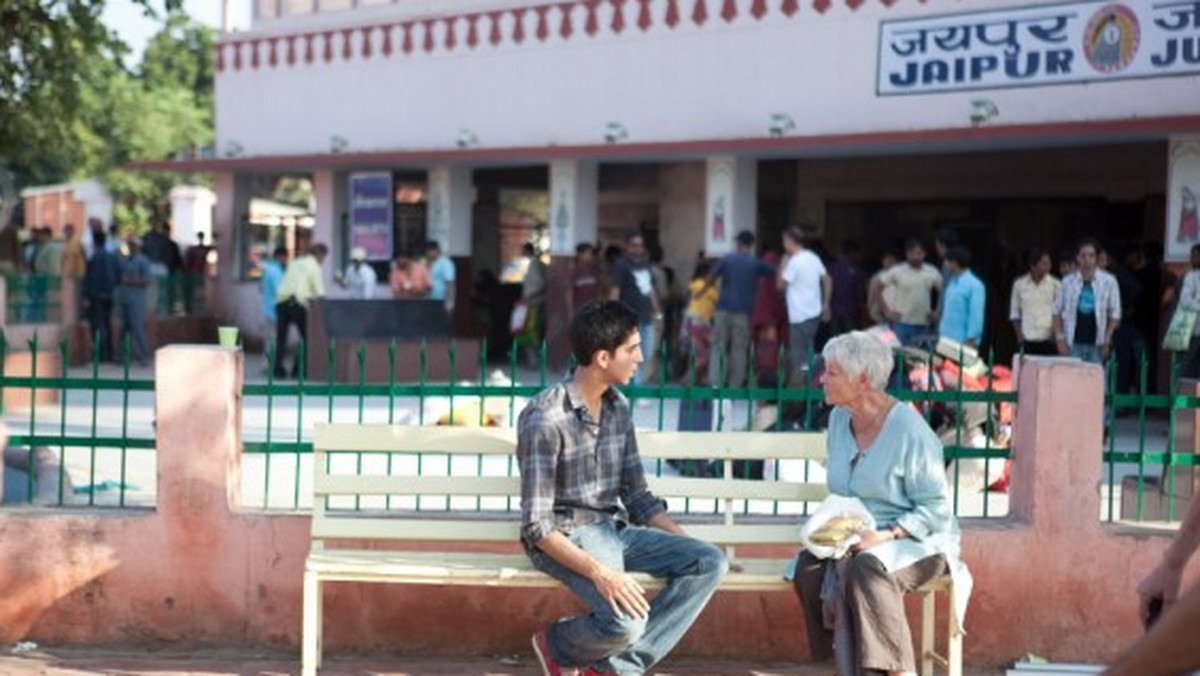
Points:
(360, 281)
(913, 287)
(802, 273)
(1189, 297)
(1032, 304)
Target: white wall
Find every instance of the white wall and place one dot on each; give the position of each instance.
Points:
(721, 80)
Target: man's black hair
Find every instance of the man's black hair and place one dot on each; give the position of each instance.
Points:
(960, 256)
(745, 238)
(433, 244)
(1034, 255)
(601, 325)
(911, 242)
(583, 246)
(948, 237)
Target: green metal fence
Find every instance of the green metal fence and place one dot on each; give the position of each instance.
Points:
(87, 432)
(78, 437)
(279, 414)
(1151, 445)
(33, 299)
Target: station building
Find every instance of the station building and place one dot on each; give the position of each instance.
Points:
(486, 123)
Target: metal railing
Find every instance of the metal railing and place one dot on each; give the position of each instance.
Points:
(279, 414)
(82, 440)
(87, 432)
(33, 298)
(1144, 452)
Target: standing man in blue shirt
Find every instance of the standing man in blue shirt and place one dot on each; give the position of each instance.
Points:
(441, 275)
(738, 273)
(589, 520)
(963, 300)
(271, 272)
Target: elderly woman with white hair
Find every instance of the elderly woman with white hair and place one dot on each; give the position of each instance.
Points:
(882, 452)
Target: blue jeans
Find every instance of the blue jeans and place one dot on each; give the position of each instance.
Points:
(908, 334)
(1088, 353)
(618, 643)
(646, 334)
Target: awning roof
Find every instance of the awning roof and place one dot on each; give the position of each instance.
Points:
(918, 142)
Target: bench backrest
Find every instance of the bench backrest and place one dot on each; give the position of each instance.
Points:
(397, 482)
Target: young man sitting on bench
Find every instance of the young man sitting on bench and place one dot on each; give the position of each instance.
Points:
(588, 518)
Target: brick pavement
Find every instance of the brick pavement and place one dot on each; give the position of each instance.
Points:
(128, 662)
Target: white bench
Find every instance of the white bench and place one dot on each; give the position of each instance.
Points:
(473, 496)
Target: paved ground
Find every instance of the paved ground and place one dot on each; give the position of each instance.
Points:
(95, 663)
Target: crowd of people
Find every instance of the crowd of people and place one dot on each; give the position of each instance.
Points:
(789, 300)
(287, 288)
(112, 274)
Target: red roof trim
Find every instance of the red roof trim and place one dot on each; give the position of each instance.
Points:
(229, 51)
(1051, 131)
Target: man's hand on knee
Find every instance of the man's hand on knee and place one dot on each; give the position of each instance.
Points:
(622, 592)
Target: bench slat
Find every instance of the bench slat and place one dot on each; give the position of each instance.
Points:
(508, 570)
(732, 445)
(395, 485)
(462, 528)
(384, 438)
(493, 486)
(736, 489)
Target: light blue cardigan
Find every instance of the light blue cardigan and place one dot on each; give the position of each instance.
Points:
(901, 479)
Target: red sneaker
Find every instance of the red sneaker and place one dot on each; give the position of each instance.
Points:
(550, 667)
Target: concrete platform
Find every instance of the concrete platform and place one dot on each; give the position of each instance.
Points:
(81, 662)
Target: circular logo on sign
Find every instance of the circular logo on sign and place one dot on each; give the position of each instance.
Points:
(1111, 38)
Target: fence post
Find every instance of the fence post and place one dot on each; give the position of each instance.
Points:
(197, 399)
(1057, 452)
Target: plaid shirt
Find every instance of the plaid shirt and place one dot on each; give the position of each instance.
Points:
(577, 471)
(1108, 303)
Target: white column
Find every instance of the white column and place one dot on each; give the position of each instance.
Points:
(330, 190)
(1183, 195)
(731, 202)
(191, 212)
(450, 198)
(573, 189)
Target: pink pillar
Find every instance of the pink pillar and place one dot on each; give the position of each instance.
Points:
(198, 427)
(198, 431)
(1057, 464)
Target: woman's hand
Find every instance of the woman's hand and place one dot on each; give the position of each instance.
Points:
(869, 538)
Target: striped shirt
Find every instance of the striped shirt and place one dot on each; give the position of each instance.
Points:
(1108, 303)
(576, 470)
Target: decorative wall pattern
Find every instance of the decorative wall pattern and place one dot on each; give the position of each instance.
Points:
(571, 19)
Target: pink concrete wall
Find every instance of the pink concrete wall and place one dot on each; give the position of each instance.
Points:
(198, 570)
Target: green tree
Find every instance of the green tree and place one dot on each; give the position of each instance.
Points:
(48, 44)
(166, 108)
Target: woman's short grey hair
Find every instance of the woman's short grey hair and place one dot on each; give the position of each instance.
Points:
(858, 353)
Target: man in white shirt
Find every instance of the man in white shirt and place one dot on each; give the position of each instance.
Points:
(1031, 308)
(360, 278)
(913, 282)
(807, 288)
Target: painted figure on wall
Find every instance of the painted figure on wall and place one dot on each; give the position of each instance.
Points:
(1189, 227)
(718, 222)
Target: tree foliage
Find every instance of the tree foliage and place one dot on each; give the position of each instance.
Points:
(70, 108)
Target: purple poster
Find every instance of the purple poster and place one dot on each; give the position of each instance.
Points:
(371, 214)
